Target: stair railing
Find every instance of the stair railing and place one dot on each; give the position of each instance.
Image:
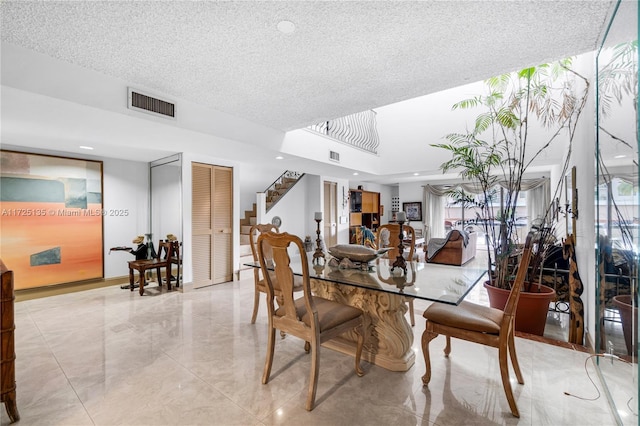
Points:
(358, 130)
(273, 187)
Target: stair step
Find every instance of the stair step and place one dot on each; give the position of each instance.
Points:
(245, 229)
(244, 239)
(245, 250)
(253, 220)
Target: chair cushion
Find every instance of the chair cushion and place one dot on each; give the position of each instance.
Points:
(330, 313)
(467, 316)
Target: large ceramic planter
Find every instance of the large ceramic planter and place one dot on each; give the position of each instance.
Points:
(629, 318)
(533, 305)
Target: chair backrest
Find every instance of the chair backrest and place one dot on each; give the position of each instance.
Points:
(279, 244)
(394, 240)
(166, 249)
(516, 288)
(175, 255)
(255, 232)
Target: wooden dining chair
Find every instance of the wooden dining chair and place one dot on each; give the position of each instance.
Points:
(480, 324)
(260, 284)
(311, 318)
(162, 260)
(409, 251)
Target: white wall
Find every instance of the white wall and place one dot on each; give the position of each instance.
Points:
(413, 192)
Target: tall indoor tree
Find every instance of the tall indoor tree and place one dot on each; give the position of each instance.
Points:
(500, 147)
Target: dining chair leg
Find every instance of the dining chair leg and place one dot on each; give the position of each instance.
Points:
(514, 358)
(256, 304)
(167, 275)
(360, 334)
(427, 336)
(504, 373)
(313, 377)
(447, 348)
(269, 358)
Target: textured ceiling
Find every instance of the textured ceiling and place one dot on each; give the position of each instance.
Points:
(343, 57)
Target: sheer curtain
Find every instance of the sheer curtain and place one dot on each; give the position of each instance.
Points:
(435, 198)
(538, 193)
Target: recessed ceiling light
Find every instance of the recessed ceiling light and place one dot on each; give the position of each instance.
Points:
(355, 173)
(279, 157)
(286, 27)
(86, 147)
(416, 174)
(620, 156)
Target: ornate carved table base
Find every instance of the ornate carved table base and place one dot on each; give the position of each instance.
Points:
(388, 337)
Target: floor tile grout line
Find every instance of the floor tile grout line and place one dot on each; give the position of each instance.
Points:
(211, 385)
(52, 353)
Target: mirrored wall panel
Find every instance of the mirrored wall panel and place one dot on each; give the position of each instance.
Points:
(166, 198)
(617, 211)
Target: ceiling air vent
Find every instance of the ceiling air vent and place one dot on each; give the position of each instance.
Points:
(334, 156)
(142, 102)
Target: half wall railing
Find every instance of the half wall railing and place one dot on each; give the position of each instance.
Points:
(358, 130)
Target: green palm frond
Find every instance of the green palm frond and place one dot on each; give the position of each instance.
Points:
(467, 103)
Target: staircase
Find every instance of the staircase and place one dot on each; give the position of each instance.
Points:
(273, 194)
(245, 244)
(280, 187)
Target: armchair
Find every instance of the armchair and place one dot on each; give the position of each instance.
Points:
(457, 248)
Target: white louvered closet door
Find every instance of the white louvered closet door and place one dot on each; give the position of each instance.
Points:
(211, 224)
(222, 224)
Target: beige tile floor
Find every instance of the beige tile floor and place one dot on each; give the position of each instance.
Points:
(110, 357)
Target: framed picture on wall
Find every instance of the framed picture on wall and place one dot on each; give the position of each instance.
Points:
(413, 210)
(51, 228)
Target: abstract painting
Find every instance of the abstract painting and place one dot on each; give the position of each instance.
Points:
(50, 218)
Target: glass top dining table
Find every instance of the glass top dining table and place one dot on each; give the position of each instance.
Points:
(428, 281)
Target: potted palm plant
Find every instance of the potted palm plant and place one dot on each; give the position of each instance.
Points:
(497, 151)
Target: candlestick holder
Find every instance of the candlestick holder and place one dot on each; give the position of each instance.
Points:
(400, 261)
(400, 281)
(318, 253)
